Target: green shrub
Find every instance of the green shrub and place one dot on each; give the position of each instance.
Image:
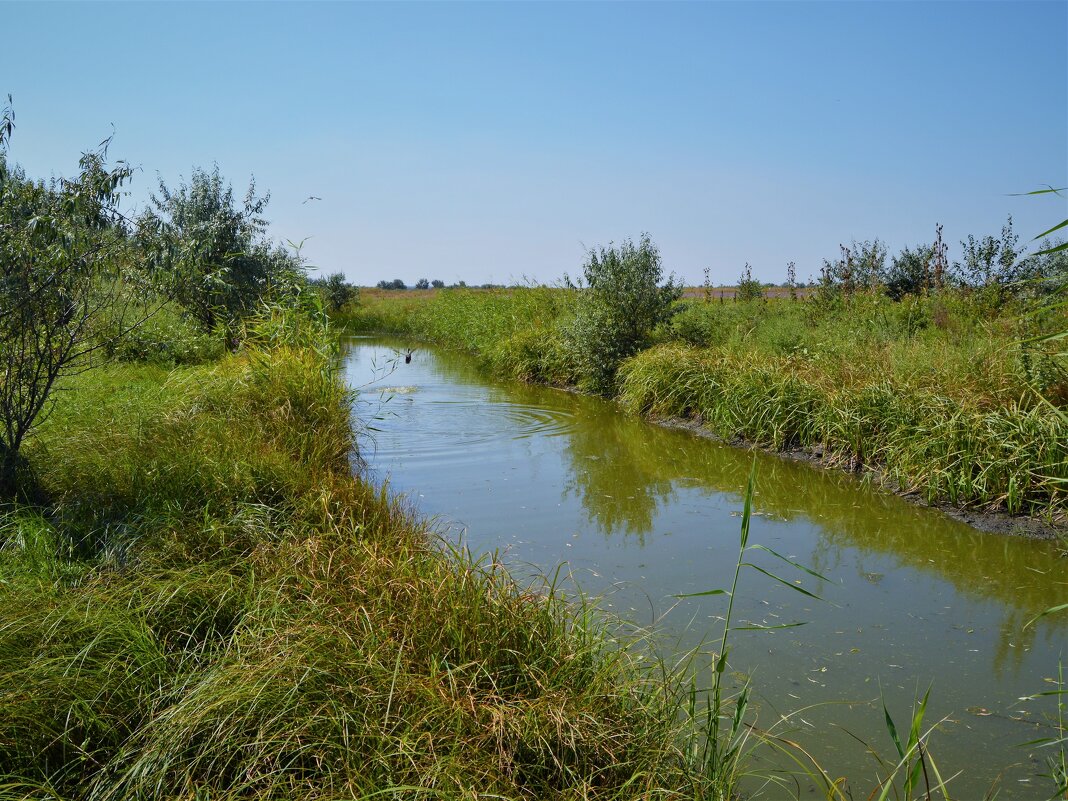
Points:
(212, 253)
(617, 311)
(169, 336)
(749, 288)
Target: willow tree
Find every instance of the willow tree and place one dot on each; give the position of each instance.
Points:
(59, 272)
(623, 301)
(210, 251)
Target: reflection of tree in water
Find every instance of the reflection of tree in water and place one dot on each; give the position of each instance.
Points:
(619, 490)
(624, 468)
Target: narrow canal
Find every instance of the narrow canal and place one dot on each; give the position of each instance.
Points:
(638, 514)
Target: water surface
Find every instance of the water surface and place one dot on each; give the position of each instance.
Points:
(639, 514)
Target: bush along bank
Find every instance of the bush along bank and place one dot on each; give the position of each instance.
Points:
(209, 605)
(941, 397)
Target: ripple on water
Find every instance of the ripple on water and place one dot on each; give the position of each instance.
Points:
(534, 420)
(463, 429)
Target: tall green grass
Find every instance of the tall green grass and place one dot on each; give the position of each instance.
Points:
(211, 605)
(1014, 456)
(518, 332)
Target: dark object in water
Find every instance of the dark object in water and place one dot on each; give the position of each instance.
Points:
(408, 357)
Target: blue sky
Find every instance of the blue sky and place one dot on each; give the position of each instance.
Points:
(493, 141)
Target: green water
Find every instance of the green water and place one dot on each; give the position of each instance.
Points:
(638, 514)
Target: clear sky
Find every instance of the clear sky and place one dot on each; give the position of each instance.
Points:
(493, 141)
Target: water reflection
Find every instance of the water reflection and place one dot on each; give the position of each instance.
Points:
(624, 470)
(619, 491)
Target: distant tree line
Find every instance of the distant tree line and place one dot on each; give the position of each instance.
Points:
(423, 283)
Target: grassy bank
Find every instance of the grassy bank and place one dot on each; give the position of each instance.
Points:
(943, 395)
(207, 604)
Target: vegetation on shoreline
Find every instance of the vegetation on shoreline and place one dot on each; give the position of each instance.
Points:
(201, 597)
(212, 604)
(198, 596)
(957, 394)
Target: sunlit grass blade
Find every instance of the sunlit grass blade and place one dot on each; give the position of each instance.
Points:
(1051, 611)
(760, 627)
(789, 561)
(784, 582)
(700, 594)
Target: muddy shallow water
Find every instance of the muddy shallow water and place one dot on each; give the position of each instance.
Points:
(639, 514)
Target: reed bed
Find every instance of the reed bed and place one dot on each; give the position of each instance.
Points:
(517, 332)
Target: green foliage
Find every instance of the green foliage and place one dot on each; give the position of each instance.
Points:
(1045, 272)
(931, 390)
(724, 733)
(859, 267)
(210, 253)
(169, 335)
(617, 311)
(437, 283)
(909, 272)
(957, 448)
(1050, 283)
(913, 763)
(396, 283)
(749, 289)
(519, 332)
(336, 291)
(990, 261)
(61, 265)
(1057, 742)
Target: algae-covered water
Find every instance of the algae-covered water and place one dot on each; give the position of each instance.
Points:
(639, 514)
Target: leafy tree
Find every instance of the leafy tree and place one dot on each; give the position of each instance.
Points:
(61, 267)
(336, 292)
(396, 283)
(437, 283)
(622, 302)
(869, 263)
(990, 261)
(862, 265)
(909, 272)
(211, 252)
(422, 283)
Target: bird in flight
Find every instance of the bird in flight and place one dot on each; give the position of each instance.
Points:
(311, 197)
